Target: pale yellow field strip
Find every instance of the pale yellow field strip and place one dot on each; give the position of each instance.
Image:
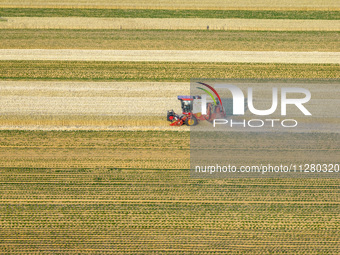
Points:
(50, 105)
(169, 23)
(89, 98)
(180, 4)
(172, 56)
(53, 105)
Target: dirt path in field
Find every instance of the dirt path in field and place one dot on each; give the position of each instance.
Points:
(172, 56)
(169, 23)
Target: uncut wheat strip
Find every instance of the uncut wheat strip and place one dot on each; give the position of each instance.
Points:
(179, 4)
(172, 56)
(169, 23)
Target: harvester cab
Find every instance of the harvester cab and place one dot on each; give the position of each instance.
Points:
(186, 104)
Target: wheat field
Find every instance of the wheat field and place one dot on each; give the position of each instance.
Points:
(88, 162)
(172, 56)
(130, 192)
(320, 41)
(169, 24)
(184, 4)
(53, 105)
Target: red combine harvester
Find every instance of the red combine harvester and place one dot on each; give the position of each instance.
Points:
(191, 111)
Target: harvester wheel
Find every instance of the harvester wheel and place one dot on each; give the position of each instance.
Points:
(191, 121)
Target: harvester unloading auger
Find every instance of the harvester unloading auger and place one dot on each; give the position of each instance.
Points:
(192, 109)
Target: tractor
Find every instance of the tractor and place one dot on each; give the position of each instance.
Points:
(191, 111)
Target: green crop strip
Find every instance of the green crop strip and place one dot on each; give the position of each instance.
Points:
(149, 13)
(169, 40)
(159, 71)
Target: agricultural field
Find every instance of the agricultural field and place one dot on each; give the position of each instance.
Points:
(181, 4)
(130, 192)
(159, 71)
(167, 13)
(320, 41)
(84, 105)
(169, 24)
(88, 162)
(118, 105)
(190, 56)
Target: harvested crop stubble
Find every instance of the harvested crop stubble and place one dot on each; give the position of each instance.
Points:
(96, 105)
(134, 105)
(169, 24)
(103, 191)
(93, 89)
(159, 71)
(112, 150)
(127, 106)
(84, 122)
(170, 40)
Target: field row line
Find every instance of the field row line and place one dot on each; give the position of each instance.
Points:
(54, 201)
